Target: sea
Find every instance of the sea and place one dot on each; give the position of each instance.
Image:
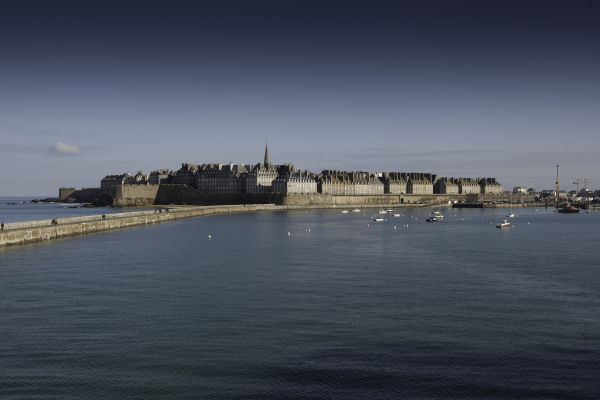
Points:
(306, 305)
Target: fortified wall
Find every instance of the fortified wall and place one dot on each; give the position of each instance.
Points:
(130, 195)
(333, 200)
(84, 195)
(133, 195)
(510, 197)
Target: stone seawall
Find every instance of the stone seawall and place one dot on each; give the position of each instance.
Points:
(132, 195)
(35, 231)
(187, 195)
(337, 200)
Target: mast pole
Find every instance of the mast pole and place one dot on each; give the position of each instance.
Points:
(557, 186)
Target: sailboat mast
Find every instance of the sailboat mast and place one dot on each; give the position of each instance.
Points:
(557, 186)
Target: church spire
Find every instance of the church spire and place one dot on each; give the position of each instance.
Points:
(266, 163)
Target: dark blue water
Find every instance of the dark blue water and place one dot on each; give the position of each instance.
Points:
(350, 310)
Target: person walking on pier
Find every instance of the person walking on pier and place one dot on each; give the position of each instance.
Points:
(2, 226)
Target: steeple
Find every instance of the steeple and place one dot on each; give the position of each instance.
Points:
(266, 162)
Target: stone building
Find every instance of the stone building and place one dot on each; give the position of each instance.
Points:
(113, 180)
(159, 176)
(334, 182)
(261, 176)
(469, 186)
(291, 181)
(490, 186)
(446, 186)
(366, 183)
(140, 178)
(186, 175)
(349, 183)
(222, 178)
(393, 183)
(420, 183)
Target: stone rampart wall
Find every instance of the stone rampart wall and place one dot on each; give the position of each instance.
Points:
(333, 200)
(187, 195)
(64, 193)
(143, 195)
(524, 197)
(85, 195)
(134, 195)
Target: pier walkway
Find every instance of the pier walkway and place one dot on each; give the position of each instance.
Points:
(16, 233)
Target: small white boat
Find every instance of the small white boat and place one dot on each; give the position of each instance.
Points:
(432, 219)
(397, 215)
(503, 224)
(390, 211)
(510, 215)
(356, 210)
(438, 215)
(345, 212)
(377, 218)
(382, 212)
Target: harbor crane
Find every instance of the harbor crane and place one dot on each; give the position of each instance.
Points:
(585, 181)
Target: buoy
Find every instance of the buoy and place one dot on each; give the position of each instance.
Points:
(368, 225)
(209, 237)
(394, 227)
(289, 234)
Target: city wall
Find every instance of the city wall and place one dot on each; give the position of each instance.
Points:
(134, 195)
(144, 195)
(187, 195)
(332, 200)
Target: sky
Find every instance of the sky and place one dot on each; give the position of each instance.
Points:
(507, 89)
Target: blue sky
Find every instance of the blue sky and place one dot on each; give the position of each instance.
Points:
(465, 88)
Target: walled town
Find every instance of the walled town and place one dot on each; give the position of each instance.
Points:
(280, 184)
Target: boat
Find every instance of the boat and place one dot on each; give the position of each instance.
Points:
(567, 209)
(510, 215)
(397, 215)
(377, 218)
(390, 211)
(438, 215)
(356, 210)
(503, 224)
(345, 212)
(432, 219)
(382, 212)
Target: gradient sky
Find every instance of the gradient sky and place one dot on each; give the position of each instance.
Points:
(458, 88)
